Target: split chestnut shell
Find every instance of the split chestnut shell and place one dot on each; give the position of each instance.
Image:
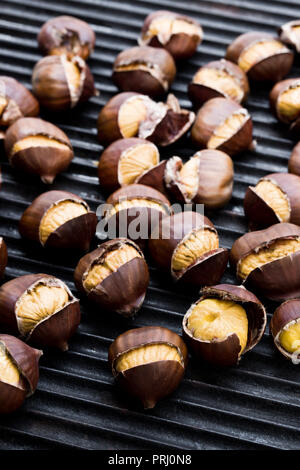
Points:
(227, 351)
(148, 363)
(285, 328)
(289, 34)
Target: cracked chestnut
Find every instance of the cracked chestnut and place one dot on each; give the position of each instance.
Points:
(40, 309)
(285, 329)
(222, 124)
(38, 147)
(115, 276)
(59, 219)
(294, 161)
(3, 257)
(19, 372)
(225, 323)
(269, 261)
(275, 198)
(148, 363)
(66, 35)
(145, 70)
(60, 83)
(285, 101)
(124, 161)
(178, 34)
(220, 78)
(289, 34)
(261, 56)
(186, 245)
(130, 114)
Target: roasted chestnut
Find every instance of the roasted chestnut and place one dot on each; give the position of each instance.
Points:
(59, 219)
(179, 34)
(66, 35)
(115, 276)
(275, 198)
(148, 362)
(285, 329)
(219, 78)
(19, 372)
(41, 309)
(223, 124)
(36, 146)
(124, 161)
(269, 260)
(60, 83)
(155, 177)
(294, 161)
(187, 246)
(225, 323)
(206, 178)
(145, 70)
(132, 114)
(285, 100)
(15, 101)
(3, 257)
(260, 55)
(289, 34)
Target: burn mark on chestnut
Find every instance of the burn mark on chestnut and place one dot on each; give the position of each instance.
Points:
(285, 329)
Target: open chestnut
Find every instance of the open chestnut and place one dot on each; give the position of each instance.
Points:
(285, 329)
(294, 160)
(289, 34)
(285, 101)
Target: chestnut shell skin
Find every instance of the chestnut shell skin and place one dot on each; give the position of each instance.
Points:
(21, 102)
(271, 69)
(143, 80)
(52, 332)
(150, 382)
(226, 352)
(46, 162)
(287, 312)
(124, 290)
(181, 46)
(3, 257)
(294, 161)
(75, 234)
(66, 35)
(277, 280)
(155, 178)
(26, 359)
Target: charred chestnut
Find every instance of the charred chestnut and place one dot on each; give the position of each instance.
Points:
(59, 219)
(285, 329)
(19, 372)
(289, 34)
(60, 83)
(115, 276)
(40, 309)
(132, 114)
(225, 323)
(124, 161)
(285, 100)
(38, 147)
(294, 161)
(223, 124)
(220, 78)
(3, 257)
(260, 55)
(145, 70)
(148, 363)
(15, 101)
(179, 34)
(269, 260)
(187, 246)
(66, 35)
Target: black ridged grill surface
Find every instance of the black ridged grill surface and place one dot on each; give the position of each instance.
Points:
(253, 406)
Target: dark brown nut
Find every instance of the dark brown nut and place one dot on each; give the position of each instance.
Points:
(66, 35)
(275, 198)
(19, 372)
(289, 34)
(155, 177)
(59, 219)
(15, 101)
(285, 329)
(145, 70)
(294, 161)
(132, 114)
(206, 178)
(38, 147)
(223, 124)
(60, 83)
(225, 323)
(187, 246)
(40, 309)
(148, 363)
(285, 100)
(269, 261)
(220, 78)
(262, 56)
(179, 34)
(3, 257)
(124, 161)
(115, 276)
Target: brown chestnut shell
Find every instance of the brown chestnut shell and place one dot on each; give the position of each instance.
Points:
(294, 161)
(155, 178)
(287, 313)
(20, 101)
(3, 257)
